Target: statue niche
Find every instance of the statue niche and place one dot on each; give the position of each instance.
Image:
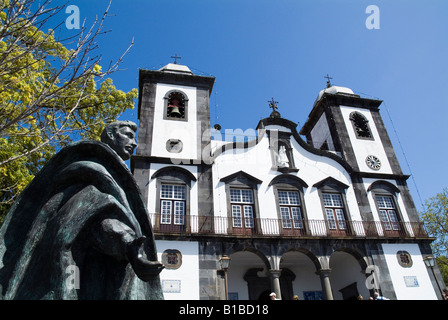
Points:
(283, 160)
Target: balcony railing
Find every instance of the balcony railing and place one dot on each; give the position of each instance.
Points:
(280, 228)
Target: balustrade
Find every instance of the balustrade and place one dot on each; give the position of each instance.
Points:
(263, 227)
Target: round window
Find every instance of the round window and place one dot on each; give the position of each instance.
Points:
(172, 259)
(404, 259)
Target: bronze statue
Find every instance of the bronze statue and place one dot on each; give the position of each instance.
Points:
(80, 230)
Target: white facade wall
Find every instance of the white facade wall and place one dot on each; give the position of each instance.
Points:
(152, 188)
(181, 283)
(321, 133)
(409, 283)
(365, 147)
(186, 131)
(257, 161)
(313, 169)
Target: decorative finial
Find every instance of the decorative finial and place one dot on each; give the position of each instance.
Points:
(175, 57)
(328, 80)
(273, 105)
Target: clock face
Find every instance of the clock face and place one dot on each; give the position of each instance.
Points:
(373, 162)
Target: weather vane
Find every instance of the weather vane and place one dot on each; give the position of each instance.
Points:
(273, 104)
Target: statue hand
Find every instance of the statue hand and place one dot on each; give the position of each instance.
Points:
(145, 269)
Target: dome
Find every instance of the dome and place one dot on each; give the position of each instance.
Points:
(335, 90)
(176, 68)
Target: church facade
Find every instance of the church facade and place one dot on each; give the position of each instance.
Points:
(326, 218)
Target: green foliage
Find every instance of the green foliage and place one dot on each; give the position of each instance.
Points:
(50, 95)
(442, 263)
(435, 218)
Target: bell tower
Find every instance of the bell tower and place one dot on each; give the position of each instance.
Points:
(174, 113)
(351, 126)
(174, 127)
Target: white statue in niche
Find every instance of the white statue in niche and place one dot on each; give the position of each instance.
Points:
(282, 158)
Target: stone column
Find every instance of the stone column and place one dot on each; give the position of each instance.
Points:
(326, 286)
(275, 282)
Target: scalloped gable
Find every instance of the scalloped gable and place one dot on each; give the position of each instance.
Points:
(295, 134)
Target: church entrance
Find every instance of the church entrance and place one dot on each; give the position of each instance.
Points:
(347, 277)
(307, 284)
(249, 277)
(259, 284)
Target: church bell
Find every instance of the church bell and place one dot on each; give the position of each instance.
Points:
(175, 112)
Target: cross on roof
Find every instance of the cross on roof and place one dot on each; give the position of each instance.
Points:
(328, 80)
(175, 57)
(273, 104)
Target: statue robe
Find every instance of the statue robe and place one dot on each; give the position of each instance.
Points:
(59, 240)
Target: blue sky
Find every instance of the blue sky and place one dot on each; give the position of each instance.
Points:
(258, 49)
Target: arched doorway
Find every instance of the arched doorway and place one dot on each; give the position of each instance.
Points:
(306, 284)
(347, 277)
(241, 263)
(260, 285)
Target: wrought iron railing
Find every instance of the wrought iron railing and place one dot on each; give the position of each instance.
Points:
(264, 227)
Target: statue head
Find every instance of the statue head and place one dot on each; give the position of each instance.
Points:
(120, 136)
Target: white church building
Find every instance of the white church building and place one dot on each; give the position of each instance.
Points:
(326, 218)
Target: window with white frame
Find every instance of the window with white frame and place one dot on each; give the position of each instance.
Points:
(172, 204)
(290, 209)
(388, 212)
(242, 204)
(334, 210)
